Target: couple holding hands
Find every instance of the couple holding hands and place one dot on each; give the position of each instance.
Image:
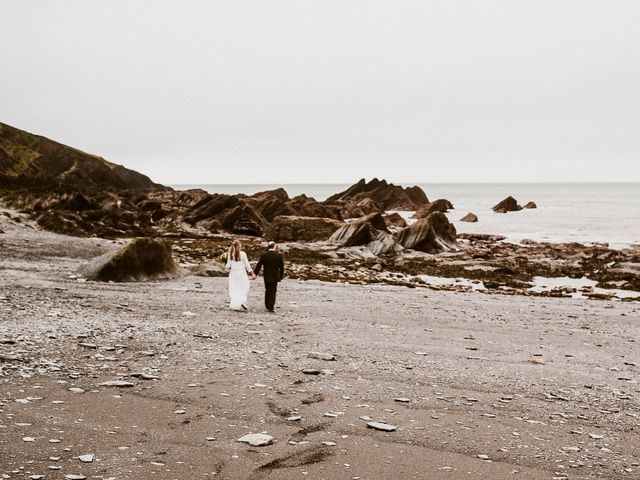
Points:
(240, 270)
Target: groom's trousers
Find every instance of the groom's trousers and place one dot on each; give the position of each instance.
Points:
(270, 290)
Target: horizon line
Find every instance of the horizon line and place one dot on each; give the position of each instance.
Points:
(591, 182)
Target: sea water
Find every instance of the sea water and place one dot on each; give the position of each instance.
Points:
(567, 212)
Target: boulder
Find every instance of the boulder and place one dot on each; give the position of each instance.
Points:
(139, 260)
(287, 228)
(433, 234)
(440, 205)
(509, 204)
(469, 217)
(530, 205)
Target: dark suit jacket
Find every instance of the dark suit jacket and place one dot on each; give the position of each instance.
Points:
(273, 266)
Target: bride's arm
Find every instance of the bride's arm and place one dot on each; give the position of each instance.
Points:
(245, 260)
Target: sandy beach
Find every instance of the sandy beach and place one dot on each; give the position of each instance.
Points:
(478, 386)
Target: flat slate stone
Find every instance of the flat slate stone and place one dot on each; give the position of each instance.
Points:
(384, 427)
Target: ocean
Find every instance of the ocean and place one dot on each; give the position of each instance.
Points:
(567, 212)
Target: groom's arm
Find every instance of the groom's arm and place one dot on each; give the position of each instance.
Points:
(258, 266)
(281, 266)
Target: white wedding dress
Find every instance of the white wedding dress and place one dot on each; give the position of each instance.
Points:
(239, 281)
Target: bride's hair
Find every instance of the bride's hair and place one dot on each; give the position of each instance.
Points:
(234, 251)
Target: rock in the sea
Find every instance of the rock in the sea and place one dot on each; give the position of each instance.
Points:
(433, 234)
(256, 439)
(440, 205)
(530, 205)
(289, 228)
(509, 204)
(469, 217)
(140, 259)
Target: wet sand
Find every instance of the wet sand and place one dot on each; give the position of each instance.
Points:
(543, 387)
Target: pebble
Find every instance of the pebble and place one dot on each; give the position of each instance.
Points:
(88, 458)
(401, 400)
(311, 371)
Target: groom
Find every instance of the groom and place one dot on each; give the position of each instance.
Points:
(273, 273)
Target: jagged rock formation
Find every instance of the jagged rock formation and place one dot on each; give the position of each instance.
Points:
(530, 205)
(140, 259)
(433, 234)
(469, 217)
(377, 196)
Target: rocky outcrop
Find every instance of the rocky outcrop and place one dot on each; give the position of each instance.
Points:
(509, 204)
(295, 228)
(433, 234)
(530, 205)
(469, 217)
(379, 196)
(139, 260)
(35, 162)
(440, 205)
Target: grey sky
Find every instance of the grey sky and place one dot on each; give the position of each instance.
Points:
(330, 91)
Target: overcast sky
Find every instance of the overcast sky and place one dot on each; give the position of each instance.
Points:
(330, 91)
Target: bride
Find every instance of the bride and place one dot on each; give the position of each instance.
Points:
(239, 268)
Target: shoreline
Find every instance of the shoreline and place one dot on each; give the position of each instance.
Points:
(544, 387)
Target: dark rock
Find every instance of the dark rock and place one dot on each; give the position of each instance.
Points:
(509, 204)
(469, 217)
(530, 205)
(440, 205)
(140, 259)
(433, 234)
